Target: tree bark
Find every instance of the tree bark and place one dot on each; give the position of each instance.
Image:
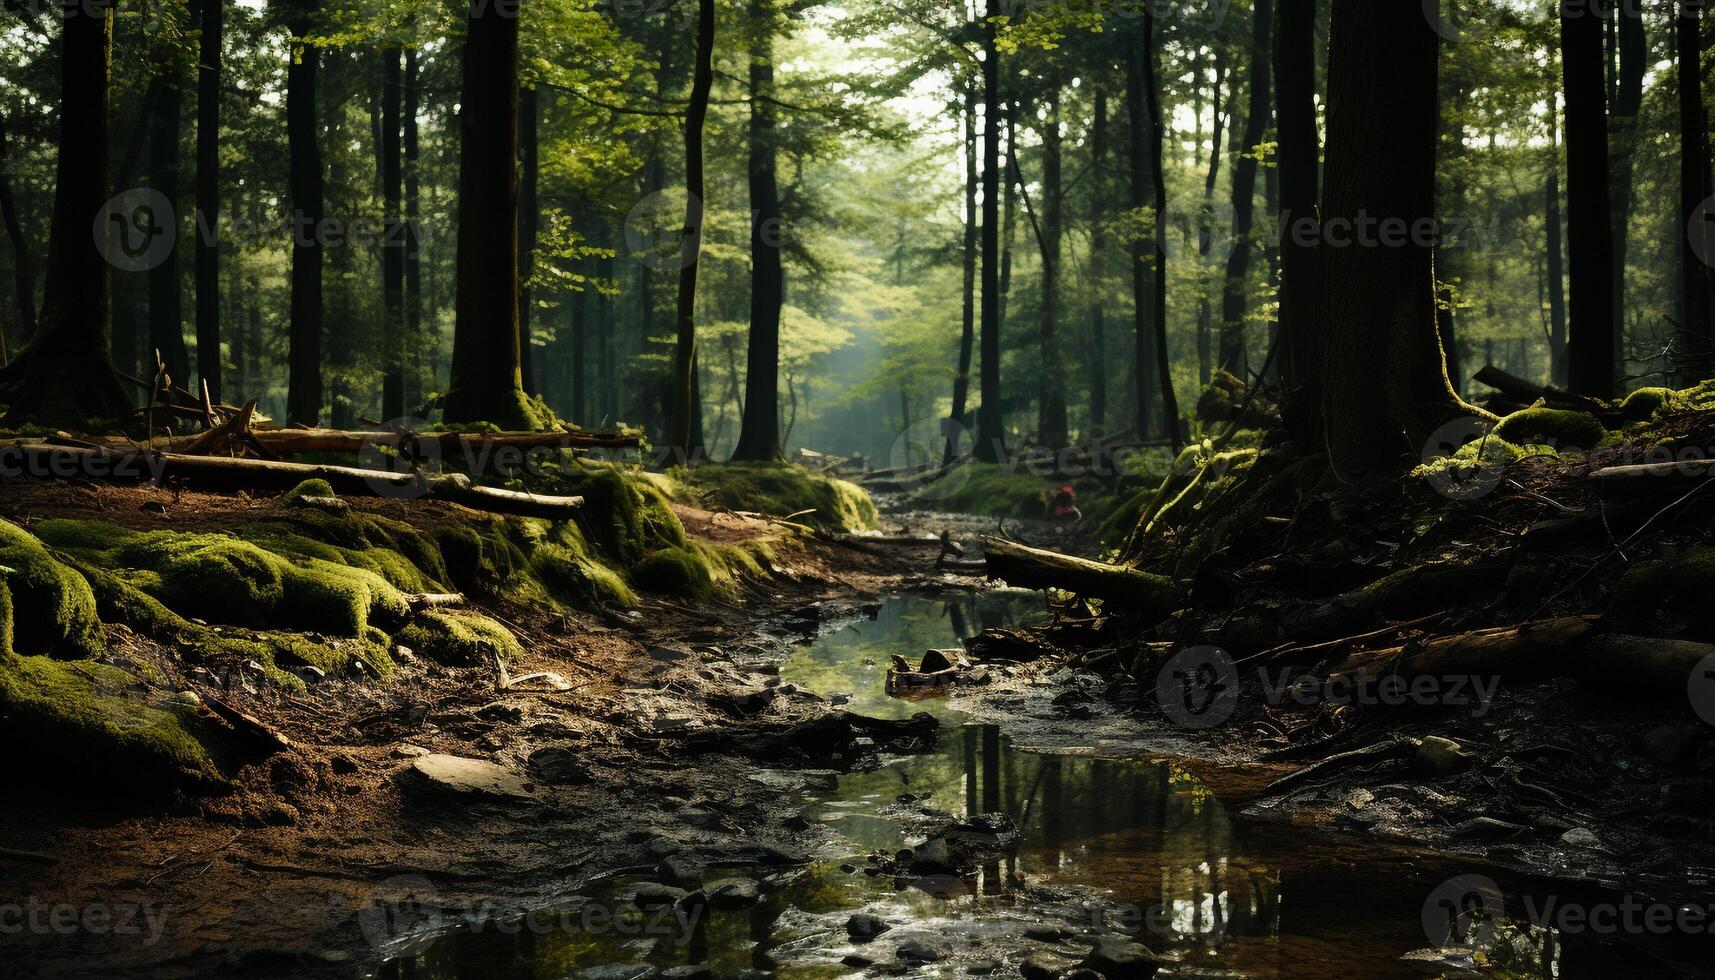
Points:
(1158, 127)
(1206, 230)
(529, 226)
(487, 383)
(1295, 76)
(1693, 346)
(1141, 254)
(759, 432)
(1590, 246)
(960, 418)
(990, 438)
(413, 255)
(1233, 290)
(206, 234)
(685, 435)
(23, 256)
(166, 310)
(1098, 268)
(394, 242)
(65, 377)
(1384, 380)
(303, 128)
(1556, 253)
(1051, 397)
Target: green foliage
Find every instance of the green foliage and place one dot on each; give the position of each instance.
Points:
(783, 489)
(53, 609)
(460, 638)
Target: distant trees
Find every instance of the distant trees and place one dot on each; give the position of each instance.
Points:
(991, 426)
(1233, 305)
(206, 230)
(1295, 76)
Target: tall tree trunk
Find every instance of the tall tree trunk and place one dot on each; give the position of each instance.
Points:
(1590, 245)
(990, 438)
(1158, 127)
(1051, 397)
(1556, 253)
(303, 136)
(413, 209)
(580, 314)
(1632, 50)
(23, 255)
(1098, 269)
(1295, 116)
(759, 431)
(1141, 254)
(487, 383)
(1232, 346)
(685, 433)
(1384, 380)
(1450, 262)
(206, 234)
(529, 225)
(960, 419)
(1206, 229)
(1694, 344)
(65, 377)
(394, 243)
(166, 310)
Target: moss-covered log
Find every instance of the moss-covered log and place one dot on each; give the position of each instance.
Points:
(1033, 568)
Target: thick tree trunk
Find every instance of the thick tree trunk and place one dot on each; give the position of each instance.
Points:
(1051, 396)
(1295, 77)
(1206, 230)
(1590, 246)
(529, 226)
(1158, 127)
(65, 377)
(486, 384)
(1384, 381)
(166, 310)
(685, 434)
(1693, 346)
(759, 433)
(1098, 270)
(1631, 50)
(1141, 253)
(990, 438)
(303, 137)
(413, 255)
(23, 256)
(206, 234)
(394, 242)
(1556, 254)
(960, 418)
(1233, 290)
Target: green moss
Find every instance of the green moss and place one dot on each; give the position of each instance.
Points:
(53, 609)
(676, 572)
(5, 617)
(100, 723)
(782, 489)
(308, 488)
(1642, 404)
(1670, 595)
(1431, 587)
(987, 489)
(1555, 427)
(566, 565)
(459, 638)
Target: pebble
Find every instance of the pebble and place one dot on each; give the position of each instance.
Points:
(863, 927)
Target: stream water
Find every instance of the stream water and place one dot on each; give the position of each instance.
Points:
(1107, 845)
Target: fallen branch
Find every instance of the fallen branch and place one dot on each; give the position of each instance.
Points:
(445, 445)
(1033, 568)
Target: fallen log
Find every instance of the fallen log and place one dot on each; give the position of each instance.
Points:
(1689, 469)
(1033, 568)
(1528, 650)
(1528, 392)
(472, 445)
(42, 460)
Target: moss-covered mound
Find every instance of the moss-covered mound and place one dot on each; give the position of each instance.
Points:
(1560, 428)
(988, 489)
(782, 489)
(53, 608)
(459, 638)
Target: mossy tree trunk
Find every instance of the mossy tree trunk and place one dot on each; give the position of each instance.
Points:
(1051, 395)
(529, 225)
(65, 377)
(759, 433)
(1098, 266)
(1158, 173)
(1384, 380)
(487, 382)
(303, 134)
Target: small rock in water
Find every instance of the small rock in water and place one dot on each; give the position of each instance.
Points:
(652, 894)
(1118, 958)
(1046, 965)
(696, 971)
(838, 698)
(856, 961)
(1673, 744)
(937, 660)
(733, 893)
(920, 952)
(1580, 837)
(863, 927)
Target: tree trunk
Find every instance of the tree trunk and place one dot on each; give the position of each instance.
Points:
(1098, 268)
(414, 340)
(1206, 230)
(529, 225)
(303, 129)
(759, 432)
(486, 383)
(65, 377)
(1692, 348)
(1384, 380)
(1632, 49)
(23, 256)
(1051, 397)
(1590, 246)
(1141, 255)
(1295, 76)
(166, 311)
(206, 234)
(394, 242)
(960, 419)
(990, 438)
(685, 435)
(580, 317)
(1232, 346)
(1158, 126)
(1556, 253)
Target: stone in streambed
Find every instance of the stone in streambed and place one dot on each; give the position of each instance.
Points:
(469, 777)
